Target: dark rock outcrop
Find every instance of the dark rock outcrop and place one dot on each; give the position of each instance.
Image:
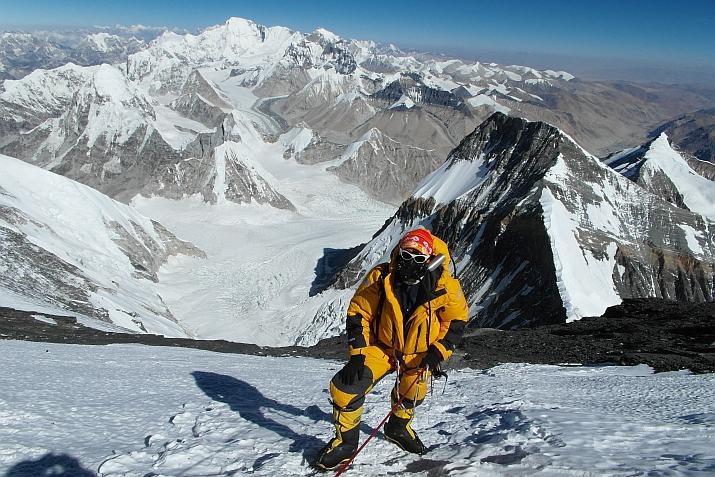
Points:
(665, 335)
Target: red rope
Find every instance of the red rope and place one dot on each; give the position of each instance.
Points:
(347, 463)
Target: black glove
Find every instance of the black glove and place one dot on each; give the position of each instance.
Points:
(353, 370)
(432, 359)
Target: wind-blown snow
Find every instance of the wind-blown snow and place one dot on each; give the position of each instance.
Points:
(130, 410)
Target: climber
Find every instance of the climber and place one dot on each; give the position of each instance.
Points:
(407, 317)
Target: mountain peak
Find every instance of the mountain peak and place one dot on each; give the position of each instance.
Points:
(327, 35)
(239, 22)
(501, 152)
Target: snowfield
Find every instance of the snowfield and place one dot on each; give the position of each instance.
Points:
(131, 410)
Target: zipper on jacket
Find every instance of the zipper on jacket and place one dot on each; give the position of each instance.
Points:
(417, 337)
(429, 324)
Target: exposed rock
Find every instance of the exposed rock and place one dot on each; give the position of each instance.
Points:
(667, 336)
(383, 167)
(410, 85)
(201, 101)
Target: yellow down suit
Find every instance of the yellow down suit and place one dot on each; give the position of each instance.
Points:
(377, 328)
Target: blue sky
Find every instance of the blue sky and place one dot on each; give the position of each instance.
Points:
(605, 32)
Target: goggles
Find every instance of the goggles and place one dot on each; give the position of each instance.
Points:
(417, 257)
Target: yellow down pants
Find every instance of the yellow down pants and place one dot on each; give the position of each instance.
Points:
(377, 365)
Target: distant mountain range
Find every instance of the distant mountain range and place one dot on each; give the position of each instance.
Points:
(353, 97)
(542, 230)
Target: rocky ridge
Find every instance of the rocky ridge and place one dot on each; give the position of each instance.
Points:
(667, 336)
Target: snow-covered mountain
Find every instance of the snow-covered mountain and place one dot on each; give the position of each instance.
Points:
(66, 248)
(97, 127)
(543, 232)
(249, 114)
(662, 170)
(23, 52)
(693, 133)
(277, 79)
(401, 166)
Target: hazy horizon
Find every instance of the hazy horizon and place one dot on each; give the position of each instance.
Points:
(614, 40)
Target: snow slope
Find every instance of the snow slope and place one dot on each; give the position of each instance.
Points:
(80, 251)
(659, 168)
(138, 411)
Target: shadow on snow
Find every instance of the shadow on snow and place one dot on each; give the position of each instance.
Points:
(253, 406)
(56, 465)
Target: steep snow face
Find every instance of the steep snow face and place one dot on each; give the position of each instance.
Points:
(698, 192)
(662, 170)
(584, 276)
(67, 247)
(110, 107)
(240, 179)
(543, 232)
(207, 414)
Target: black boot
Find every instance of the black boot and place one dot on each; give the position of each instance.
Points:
(399, 431)
(341, 447)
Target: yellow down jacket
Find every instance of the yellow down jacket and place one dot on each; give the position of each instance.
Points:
(375, 316)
